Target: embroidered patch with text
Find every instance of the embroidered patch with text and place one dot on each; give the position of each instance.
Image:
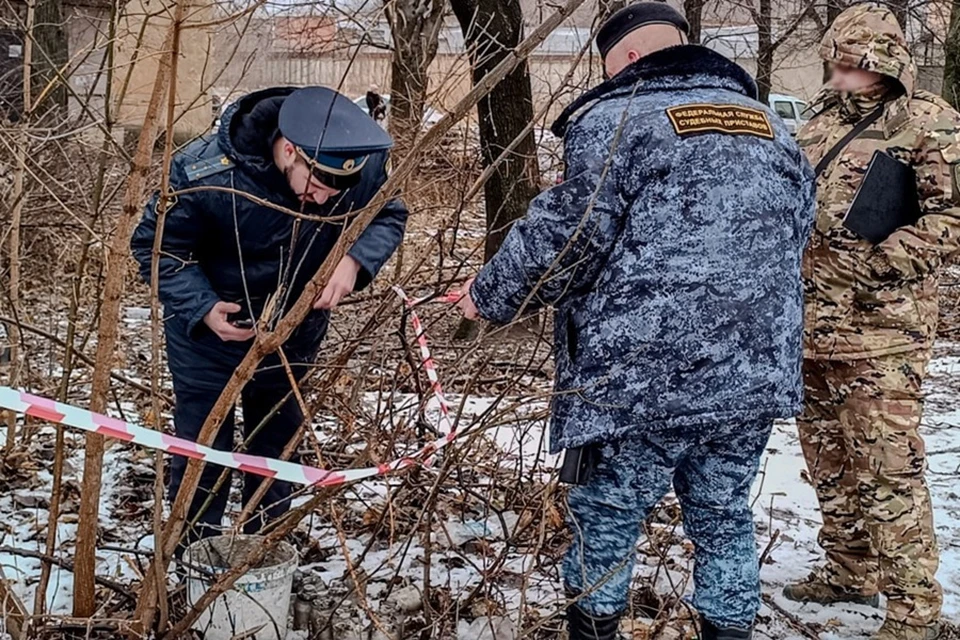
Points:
(690, 119)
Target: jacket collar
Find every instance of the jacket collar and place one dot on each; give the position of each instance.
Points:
(681, 67)
(896, 112)
(237, 116)
(247, 129)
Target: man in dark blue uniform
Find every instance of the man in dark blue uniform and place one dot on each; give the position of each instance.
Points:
(252, 213)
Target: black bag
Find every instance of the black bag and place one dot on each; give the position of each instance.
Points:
(579, 463)
(886, 200)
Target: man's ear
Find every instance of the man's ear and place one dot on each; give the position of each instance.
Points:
(633, 55)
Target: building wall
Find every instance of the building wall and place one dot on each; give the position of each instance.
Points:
(85, 25)
(262, 59)
(141, 32)
(798, 75)
(449, 76)
(218, 61)
(87, 29)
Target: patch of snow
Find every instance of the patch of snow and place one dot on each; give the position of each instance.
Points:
(466, 548)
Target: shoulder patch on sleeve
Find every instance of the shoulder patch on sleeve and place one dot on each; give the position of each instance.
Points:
(732, 119)
(207, 167)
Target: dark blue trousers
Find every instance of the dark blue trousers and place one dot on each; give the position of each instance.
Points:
(259, 402)
(712, 472)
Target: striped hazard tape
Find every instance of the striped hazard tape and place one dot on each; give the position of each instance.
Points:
(84, 420)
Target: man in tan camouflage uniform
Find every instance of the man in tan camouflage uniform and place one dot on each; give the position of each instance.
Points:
(871, 313)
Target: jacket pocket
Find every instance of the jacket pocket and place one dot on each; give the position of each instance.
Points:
(882, 303)
(889, 306)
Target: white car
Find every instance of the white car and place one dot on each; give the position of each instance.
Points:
(792, 110)
(430, 115)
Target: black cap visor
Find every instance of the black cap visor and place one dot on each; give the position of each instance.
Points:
(338, 182)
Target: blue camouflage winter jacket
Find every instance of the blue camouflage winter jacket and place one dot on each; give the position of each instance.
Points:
(671, 253)
(222, 242)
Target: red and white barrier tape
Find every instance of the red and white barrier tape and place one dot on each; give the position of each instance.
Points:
(428, 364)
(70, 416)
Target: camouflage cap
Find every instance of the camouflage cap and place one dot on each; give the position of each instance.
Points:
(868, 36)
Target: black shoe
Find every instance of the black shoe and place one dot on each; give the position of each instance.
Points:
(583, 626)
(710, 631)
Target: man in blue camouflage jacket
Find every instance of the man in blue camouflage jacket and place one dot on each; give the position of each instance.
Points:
(671, 254)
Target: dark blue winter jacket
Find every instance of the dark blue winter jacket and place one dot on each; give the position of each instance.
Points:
(220, 242)
(671, 253)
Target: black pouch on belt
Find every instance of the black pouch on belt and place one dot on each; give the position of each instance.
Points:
(579, 463)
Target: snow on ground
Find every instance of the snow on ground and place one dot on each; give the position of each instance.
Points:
(784, 502)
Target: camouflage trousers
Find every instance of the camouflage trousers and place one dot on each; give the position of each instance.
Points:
(712, 471)
(867, 460)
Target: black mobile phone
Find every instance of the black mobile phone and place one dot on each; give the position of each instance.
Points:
(240, 320)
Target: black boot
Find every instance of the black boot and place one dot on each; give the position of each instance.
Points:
(583, 626)
(710, 631)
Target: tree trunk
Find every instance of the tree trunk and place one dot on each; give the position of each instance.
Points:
(18, 195)
(694, 11)
(765, 50)
(84, 597)
(414, 26)
(951, 66)
(51, 57)
(491, 29)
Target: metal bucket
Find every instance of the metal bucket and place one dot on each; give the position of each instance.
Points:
(258, 605)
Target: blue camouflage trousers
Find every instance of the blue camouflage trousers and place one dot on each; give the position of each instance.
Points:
(712, 471)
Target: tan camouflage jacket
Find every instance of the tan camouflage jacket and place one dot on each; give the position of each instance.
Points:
(863, 300)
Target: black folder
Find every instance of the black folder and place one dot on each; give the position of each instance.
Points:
(886, 200)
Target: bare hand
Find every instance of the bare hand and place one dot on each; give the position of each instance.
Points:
(216, 319)
(466, 305)
(342, 282)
